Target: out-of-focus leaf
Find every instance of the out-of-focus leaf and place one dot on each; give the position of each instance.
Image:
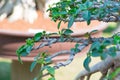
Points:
(52, 78)
(95, 45)
(112, 51)
(86, 63)
(59, 25)
(51, 70)
(71, 21)
(68, 31)
(34, 63)
(37, 36)
(86, 16)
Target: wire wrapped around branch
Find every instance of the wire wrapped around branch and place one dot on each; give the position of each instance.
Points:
(109, 18)
(51, 41)
(81, 42)
(69, 60)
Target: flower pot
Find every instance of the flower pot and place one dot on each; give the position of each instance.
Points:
(13, 35)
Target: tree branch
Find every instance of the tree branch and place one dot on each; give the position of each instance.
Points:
(111, 18)
(50, 41)
(102, 67)
(69, 60)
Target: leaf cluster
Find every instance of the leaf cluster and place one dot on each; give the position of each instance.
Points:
(102, 49)
(69, 10)
(41, 60)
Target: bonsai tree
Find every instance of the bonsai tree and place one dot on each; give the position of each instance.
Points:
(70, 11)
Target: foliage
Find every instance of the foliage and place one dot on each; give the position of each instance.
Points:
(41, 58)
(69, 11)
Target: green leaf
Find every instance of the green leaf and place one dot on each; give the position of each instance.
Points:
(76, 50)
(88, 4)
(76, 45)
(41, 61)
(78, 11)
(48, 60)
(86, 16)
(19, 52)
(103, 55)
(62, 13)
(112, 51)
(95, 54)
(106, 42)
(52, 78)
(71, 21)
(72, 49)
(29, 48)
(19, 59)
(43, 54)
(86, 63)
(57, 14)
(61, 39)
(82, 7)
(112, 75)
(116, 39)
(86, 35)
(29, 41)
(22, 51)
(68, 31)
(37, 36)
(51, 70)
(95, 45)
(59, 25)
(83, 1)
(34, 63)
